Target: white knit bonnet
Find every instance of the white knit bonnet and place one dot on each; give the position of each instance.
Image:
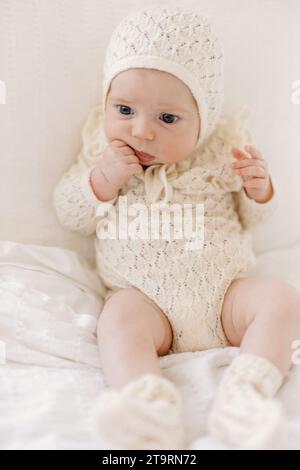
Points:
(176, 40)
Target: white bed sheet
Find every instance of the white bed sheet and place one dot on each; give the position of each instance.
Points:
(50, 368)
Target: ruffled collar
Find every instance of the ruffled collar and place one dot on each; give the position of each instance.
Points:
(159, 178)
(215, 151)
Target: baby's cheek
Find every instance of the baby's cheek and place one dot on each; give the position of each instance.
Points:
(172, 153)
(113, 130)
(108, 128)
(169, 156)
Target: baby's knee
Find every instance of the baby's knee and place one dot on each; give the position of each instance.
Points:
(125, 309)
(281, 301)
(130, 312)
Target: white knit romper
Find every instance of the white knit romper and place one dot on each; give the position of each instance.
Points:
(189, 285)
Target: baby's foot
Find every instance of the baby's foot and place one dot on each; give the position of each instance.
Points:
(145, 414)
(244, 414)
(244, 419)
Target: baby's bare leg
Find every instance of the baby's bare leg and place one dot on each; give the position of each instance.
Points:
(262, 316)
(143, 410)
(132, 332)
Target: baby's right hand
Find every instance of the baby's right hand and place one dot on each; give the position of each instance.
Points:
(119, 163)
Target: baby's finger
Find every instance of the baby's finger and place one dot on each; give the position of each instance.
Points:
(252, 171)
(126, 150)
(254, 152)
(118, 143)
(254, 183)
(130, 159)
(249, 162)
(239, 154)
(135, 169)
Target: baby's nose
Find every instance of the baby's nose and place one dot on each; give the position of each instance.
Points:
(142, 130)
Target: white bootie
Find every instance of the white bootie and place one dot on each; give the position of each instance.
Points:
(145, 414)
(244, 416)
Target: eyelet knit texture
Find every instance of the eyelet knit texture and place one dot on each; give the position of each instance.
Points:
(244, 414)
(176, 40)
(145, 414)
(188, 285)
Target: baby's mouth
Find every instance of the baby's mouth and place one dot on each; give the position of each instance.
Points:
(144, 157)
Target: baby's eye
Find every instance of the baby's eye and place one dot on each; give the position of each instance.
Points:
(169, 118)
(121, 106)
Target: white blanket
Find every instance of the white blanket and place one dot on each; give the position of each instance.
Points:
(50, 368)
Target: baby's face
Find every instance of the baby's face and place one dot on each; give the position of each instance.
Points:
(153, 112)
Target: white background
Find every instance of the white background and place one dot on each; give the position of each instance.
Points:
(51, 56)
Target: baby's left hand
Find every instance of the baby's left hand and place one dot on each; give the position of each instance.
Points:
(254, 173)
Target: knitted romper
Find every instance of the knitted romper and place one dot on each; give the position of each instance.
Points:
(189, 285)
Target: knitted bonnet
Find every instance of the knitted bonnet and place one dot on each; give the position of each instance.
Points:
(176, 40)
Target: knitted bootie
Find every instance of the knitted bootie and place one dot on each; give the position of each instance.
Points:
(145, 414)
(244, 415)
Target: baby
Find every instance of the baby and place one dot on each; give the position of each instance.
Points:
(159, 131)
